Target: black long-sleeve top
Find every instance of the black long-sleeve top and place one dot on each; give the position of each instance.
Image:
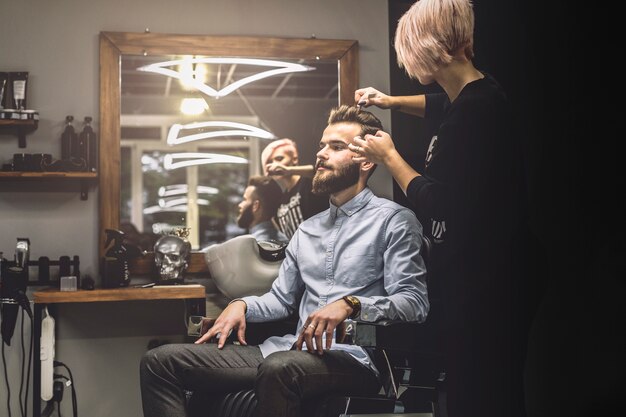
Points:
(472, 187)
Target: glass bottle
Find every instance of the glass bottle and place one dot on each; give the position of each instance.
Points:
(69, 139)
(87, 145)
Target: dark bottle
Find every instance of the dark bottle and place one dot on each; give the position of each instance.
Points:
(69, 140)
(82, 149)
(87, 145)
(76, 269)
(114, 267)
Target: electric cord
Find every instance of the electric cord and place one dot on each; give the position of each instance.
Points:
(24, 408)
(6, 378)
(57, 395)
(30, 361)
(73, 386)
(23, 393)
(61, 376)
(19, 395)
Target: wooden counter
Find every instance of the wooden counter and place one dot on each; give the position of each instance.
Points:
(159, 292)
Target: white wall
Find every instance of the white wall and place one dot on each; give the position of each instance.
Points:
(57, 43)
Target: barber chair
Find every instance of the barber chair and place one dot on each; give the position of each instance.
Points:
(243, 266)
(408, 356)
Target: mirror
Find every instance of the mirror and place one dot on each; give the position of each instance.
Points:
(123, 117)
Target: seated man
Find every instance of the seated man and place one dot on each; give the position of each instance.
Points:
(261, 199)
(297, 203)
(358, 259)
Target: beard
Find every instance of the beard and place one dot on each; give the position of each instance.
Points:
(245, 217)
(326, 182)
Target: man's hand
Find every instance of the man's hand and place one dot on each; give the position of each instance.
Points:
(233, 317)
(324, 320)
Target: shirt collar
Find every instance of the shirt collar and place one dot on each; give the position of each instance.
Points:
(352, 206)
(259, 226)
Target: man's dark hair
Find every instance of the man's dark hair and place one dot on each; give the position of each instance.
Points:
(268, 192)
(370, 124)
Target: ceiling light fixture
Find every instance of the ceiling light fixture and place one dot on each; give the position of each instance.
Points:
(278, 67)
(181, 189)
(193, 106)
(157, 209)
(226, 129)
(174, 202)
(199, 158)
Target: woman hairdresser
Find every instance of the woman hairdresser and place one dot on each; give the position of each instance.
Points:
(472, 192)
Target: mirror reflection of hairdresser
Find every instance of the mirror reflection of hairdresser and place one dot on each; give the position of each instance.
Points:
(359, 259)
(298, 202)
(261, 199)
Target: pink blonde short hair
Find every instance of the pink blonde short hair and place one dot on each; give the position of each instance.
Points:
(431, 32)
(272, 146)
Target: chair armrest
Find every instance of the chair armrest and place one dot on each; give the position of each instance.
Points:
(381, 334)
(199, 325)
(256, 333)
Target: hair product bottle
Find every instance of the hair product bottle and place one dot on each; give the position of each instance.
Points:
(82, 148)
(4, 79)
(69, 139)
(87, 145)
(114, 266)
(19, 86)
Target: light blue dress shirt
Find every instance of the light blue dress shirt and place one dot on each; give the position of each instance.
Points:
(369, 248)
(266, 231)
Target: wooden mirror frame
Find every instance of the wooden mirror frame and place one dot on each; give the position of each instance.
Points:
(115, 44)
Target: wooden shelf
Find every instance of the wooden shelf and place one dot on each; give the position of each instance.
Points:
(16, 122)
(29, 174)
(159, 292)
(21, 127)
(83, 177)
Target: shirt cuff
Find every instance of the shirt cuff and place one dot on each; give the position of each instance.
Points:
(369, 312)
(240, 299)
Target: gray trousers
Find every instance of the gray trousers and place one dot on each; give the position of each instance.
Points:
(282, 381)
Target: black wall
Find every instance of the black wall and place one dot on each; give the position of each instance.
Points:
(557, 63)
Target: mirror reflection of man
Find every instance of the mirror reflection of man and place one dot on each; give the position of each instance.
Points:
(261, 199)
(280, 160)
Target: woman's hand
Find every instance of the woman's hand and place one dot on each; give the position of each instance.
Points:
(277, 169)
(233, 317)
(373, 148)
(368, 96)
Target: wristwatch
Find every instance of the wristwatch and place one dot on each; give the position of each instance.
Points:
(354, 303)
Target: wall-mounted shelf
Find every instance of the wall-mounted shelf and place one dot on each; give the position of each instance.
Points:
(20, 127)
(84, 178)
(47, 174)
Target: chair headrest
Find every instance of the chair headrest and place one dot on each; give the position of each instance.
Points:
(241, 266)
(272, 250)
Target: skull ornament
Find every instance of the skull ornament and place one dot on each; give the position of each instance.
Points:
(171, 255)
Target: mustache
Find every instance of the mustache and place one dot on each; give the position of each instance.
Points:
(322, 164)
